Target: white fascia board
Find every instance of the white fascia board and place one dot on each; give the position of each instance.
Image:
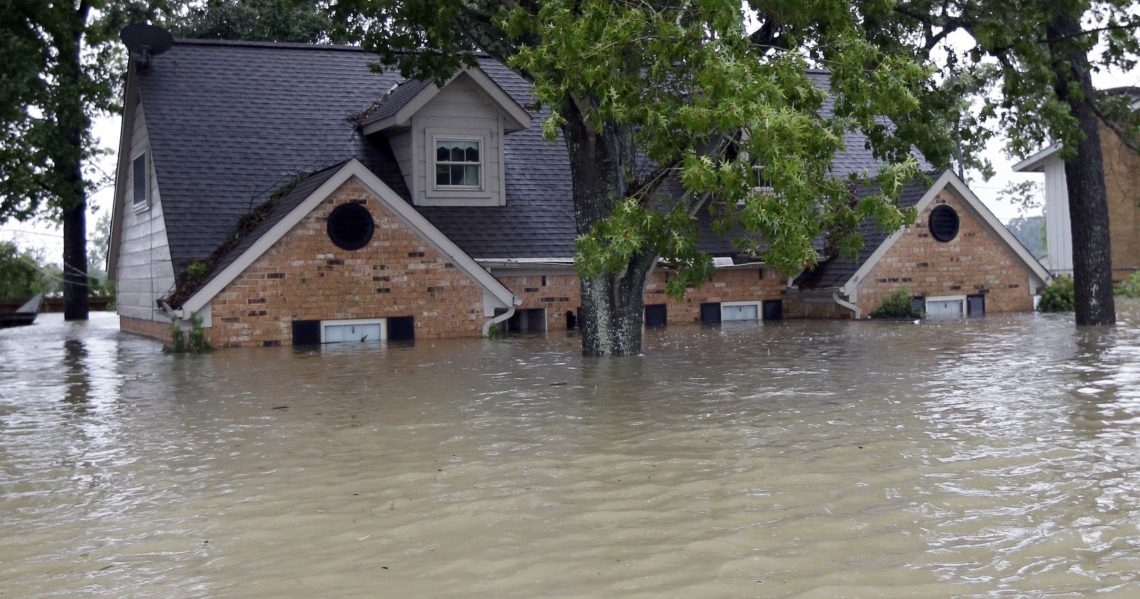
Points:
(393, 202)
(964, 192)
(1036, 162)
(517, 116)
(951, 180)
(126, 138)
(520, 117)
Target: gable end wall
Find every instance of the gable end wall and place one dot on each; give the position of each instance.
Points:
(304, 276)
(976, 261)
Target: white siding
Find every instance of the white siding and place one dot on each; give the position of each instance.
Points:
(1058, 232)
(144, 271)
(462, 110)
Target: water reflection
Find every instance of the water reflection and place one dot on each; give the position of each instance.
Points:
(993, 457)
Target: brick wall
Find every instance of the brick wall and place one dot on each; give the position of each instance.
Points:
(976, 261)
(305, 277)
(726, 286)
(146, 328)
(560, 293)
(1122, 181)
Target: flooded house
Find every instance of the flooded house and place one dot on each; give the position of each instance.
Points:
(286, 194)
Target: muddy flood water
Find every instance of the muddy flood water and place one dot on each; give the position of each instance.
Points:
(987, 458)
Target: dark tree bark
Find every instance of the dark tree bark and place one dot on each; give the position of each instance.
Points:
(1084, 174)
(73, 122)
(613, 305)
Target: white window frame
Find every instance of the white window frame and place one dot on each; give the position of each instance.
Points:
(383, 322)
(144, 205)
(759, 310)
(479, 139)
(961, 299)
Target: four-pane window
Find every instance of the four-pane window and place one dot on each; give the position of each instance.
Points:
(457, 163)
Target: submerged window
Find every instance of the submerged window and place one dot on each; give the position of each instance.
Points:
(350, 226)
(458, 163)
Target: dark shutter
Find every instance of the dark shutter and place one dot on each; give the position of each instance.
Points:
(655, 315)
(710, 313)
(401, 328)
(975, 305)
(306, 332)
(773, 309)
(918, 304)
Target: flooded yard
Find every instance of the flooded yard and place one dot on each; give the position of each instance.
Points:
(988, 458)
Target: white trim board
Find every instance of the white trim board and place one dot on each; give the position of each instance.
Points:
(518, 117)
(384, 194)
(951, 181)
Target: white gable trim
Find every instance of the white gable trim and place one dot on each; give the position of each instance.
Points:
(384, 194)
(517, 117)
(951, 181)
(1036, 162)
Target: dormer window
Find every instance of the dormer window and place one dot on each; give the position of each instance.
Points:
(458, 164)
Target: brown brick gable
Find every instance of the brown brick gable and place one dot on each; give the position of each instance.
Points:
(303, 276)
(974, 262)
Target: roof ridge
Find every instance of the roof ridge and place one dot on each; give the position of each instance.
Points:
(260, 44)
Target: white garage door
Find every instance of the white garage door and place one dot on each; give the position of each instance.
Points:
(944, 308)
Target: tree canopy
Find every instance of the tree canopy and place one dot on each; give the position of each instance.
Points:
(651, 95)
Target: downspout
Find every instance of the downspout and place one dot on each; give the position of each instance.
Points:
(500, 318)
(847, 304)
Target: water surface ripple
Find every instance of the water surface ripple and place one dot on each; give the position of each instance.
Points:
(988, 458)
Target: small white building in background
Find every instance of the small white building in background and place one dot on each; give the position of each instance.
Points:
(1122, 185)
(1058, 232)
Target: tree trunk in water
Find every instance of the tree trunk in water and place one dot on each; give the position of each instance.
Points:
(1084, 174)
(613, 304)
(73, 123)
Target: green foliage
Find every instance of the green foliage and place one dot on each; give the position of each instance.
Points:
(897, 305)
(1130, 287)
(193, 343)
(256, 20)
(197, 269)
(21, 273)
(1058, 296)
(688, 87)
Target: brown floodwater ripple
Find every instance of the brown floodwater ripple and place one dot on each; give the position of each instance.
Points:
(984, 458)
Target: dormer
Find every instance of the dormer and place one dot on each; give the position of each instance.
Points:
(449, 141)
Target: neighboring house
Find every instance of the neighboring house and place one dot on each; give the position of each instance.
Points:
(1122, 183)
(287, 194)
(957, 259)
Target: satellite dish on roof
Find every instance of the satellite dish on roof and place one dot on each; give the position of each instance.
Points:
(145, 41)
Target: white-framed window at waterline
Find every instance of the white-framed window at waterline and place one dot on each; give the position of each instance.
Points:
(739, 311)
(364, 330)
(946, 306)
(140, 182)
(457, 163)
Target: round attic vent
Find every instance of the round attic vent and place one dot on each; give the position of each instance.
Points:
(350, 226)
(943, 223)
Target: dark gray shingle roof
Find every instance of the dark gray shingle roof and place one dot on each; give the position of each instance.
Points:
(230, 122)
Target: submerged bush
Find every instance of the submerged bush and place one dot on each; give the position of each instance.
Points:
(897, 305)
(1131, 286)
(1058, 296)
(194, 343)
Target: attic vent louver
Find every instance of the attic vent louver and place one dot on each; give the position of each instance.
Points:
(943, 223)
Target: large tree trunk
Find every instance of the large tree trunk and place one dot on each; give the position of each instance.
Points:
(613, 304)
(1084, 174)
(73, 123)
